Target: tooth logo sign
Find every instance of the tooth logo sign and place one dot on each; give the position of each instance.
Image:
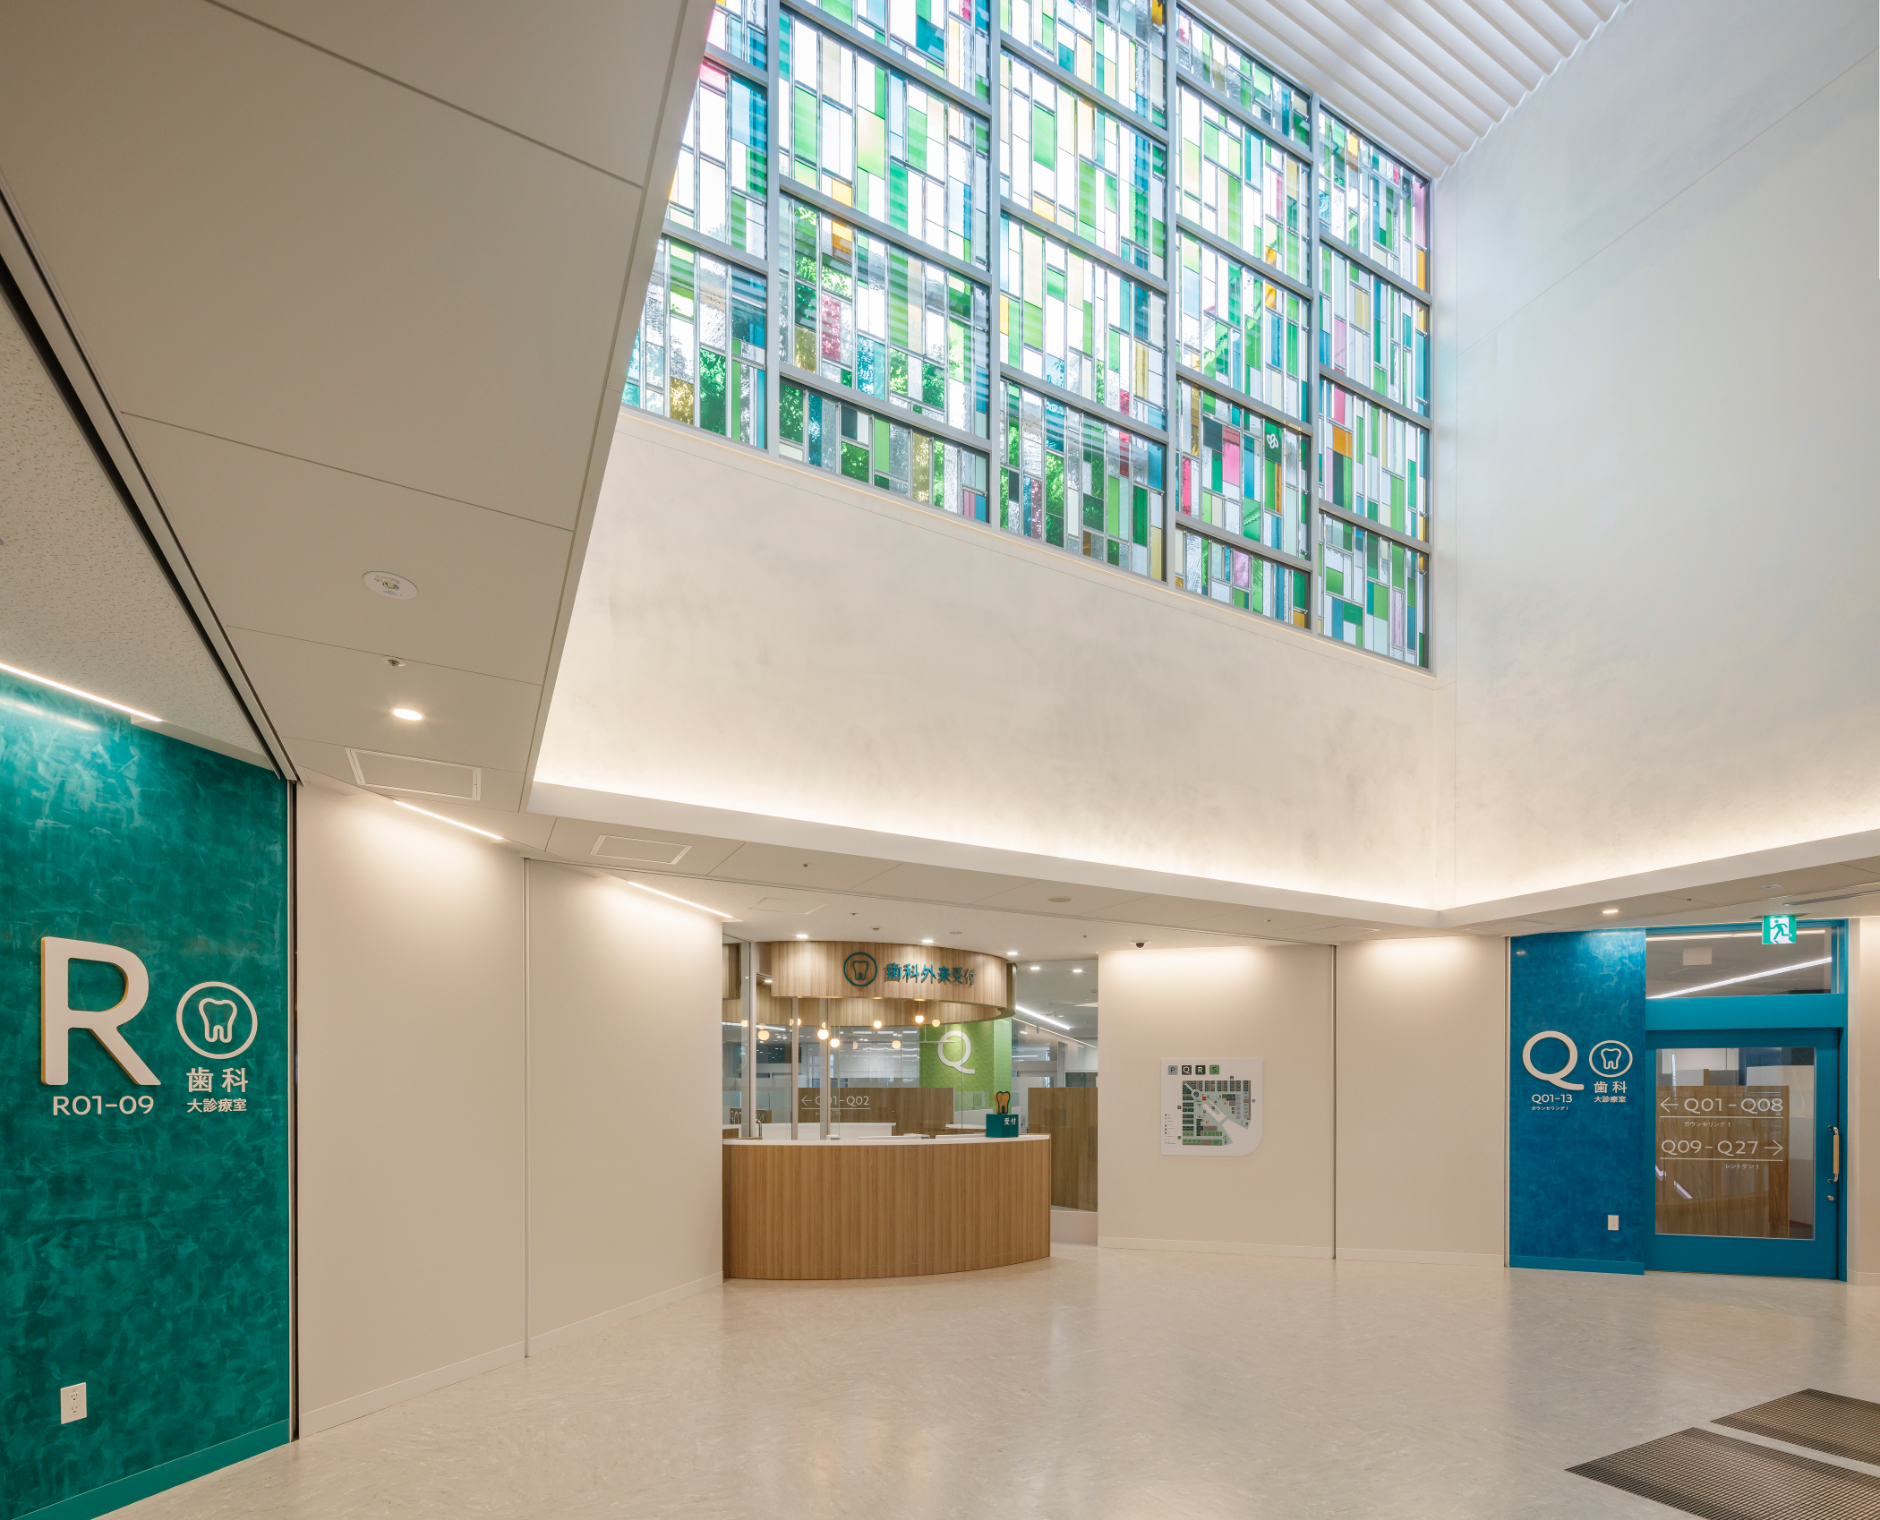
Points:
(220, 1016)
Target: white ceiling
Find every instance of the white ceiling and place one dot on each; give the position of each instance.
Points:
(357, 282)
(1428, 77)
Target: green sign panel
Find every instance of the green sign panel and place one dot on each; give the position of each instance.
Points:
(143, 1108)
(1780, 929)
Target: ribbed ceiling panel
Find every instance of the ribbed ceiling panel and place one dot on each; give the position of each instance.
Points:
(1428, 77)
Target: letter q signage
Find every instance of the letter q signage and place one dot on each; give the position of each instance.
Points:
(1555, 1077)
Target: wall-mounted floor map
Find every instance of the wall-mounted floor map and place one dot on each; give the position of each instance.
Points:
(1212, 1107)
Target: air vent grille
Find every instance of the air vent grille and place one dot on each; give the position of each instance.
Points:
(407, 773)
(646, 852)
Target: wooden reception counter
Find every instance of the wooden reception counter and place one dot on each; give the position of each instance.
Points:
(897, 1206)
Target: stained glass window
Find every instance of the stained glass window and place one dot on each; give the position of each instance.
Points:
(1240, 579)
(1244, 330)
(721, 186)
(1240, 471)
(1114, 46)
(887, 323)
(1204, 54)
(1076, 323)
(1081, 483)
(945, 37)
(1078, 166)
(869, 137)
(1372, 332)
(1242, 188)
(1373, 592)
(1372, 203)
(737, 28)
(881, 451)
(1373, 462)
(699, 354)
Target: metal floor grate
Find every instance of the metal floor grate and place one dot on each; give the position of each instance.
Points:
(1703, 1473)
(1830, 1422)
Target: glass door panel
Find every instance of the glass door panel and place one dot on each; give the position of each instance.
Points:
(1741, 1121)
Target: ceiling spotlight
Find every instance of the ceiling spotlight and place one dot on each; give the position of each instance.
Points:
(897, 1044)
(1037, 968)
(877, 1023)
(1077, 971)
(920, 1018)
(835, 1044)
(409, 714)
(926, 942)
(802, 936)
(763, 1034)
(1012, 954)
(1609, 911)
(822, 1034)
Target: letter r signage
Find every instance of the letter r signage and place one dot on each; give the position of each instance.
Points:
(58, 1018)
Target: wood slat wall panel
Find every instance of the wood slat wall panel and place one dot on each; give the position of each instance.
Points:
(1069, 1116)
(859, 1210)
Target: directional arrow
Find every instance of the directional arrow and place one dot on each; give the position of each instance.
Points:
(1668, 1105)
(1777, 1148)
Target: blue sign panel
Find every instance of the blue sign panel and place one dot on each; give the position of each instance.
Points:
(1580, 1102)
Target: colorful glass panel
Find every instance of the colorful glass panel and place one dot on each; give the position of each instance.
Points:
(876, 319)
(881, 451)
(1114, 46)
(1373, 591)
(1373, 203)
(1244, 330)
(738, 28)
(722, 184)
(868, 136)
(945, 37)
(699, 355)
(1373, 332)
(1079, 167)
(1231, 575)
(1203, 54)
(1241, 472)
(1242, 188)
(1373, 462)
(1081, 483)
(1082, 326)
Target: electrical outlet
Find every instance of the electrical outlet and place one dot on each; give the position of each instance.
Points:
(71, 1403)
(1612, 1221)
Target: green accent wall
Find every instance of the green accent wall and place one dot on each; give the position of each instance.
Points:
(142, 1253)
(989, 1055)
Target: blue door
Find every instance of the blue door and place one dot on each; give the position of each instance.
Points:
(1748, 1099)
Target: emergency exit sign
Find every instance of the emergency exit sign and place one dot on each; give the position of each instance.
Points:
(1779, 929)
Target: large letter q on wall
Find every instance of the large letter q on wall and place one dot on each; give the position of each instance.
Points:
(57, 1017)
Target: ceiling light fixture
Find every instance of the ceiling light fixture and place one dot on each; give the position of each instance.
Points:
(822, 1034)
(1731, 981)
(1077, 971)
(877, 1023)
(409, 714)
(835, 1043)
(1037, 968)
(926, 942)
(442, 819)
(1030, 1014)
(686, 900)
(89, 696)
(1011, 955)
(897, 1044)
(802, 936)
(1609, 911)
(920, 1018)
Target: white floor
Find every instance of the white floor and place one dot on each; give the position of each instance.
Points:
(1101, 1383)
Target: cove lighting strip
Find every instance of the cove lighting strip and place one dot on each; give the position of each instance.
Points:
(442, 819)
(1045, 1016)
(1665, 939)
(89, 696)
(1731, 981)
(687, 901)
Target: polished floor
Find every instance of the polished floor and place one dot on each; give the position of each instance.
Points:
(1110, 1384)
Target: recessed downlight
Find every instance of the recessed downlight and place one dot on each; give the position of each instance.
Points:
(409, 714)
(926, 942)
(1609, 911)
(802, 936)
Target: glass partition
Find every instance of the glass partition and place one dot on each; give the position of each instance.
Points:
(1054, 1072)
(1709, 963)
(1736, 1142)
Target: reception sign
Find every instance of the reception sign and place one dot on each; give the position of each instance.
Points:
(838, 969)
(143, 1108)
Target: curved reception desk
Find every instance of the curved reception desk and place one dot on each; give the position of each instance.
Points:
(889, 1206)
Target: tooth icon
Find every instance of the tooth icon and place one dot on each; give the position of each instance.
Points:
(212, 1032)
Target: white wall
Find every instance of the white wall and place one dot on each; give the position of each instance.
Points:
(1861, 1160)
(1275, 1003)
(725, 596)
(1655, 502)
(1422, 1100)
(418, 1040)
(410, 1105)
(624, 1143)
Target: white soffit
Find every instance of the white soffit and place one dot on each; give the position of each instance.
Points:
(1427, 77)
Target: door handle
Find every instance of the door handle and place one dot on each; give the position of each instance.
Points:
(1837, 1153)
